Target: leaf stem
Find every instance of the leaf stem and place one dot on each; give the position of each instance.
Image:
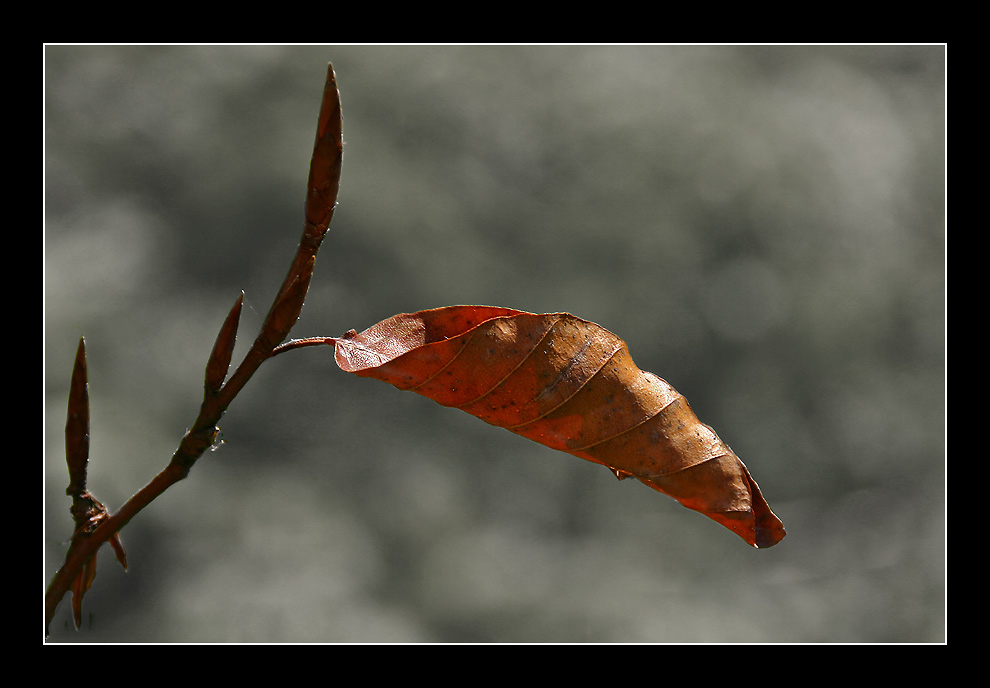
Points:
(302, 343)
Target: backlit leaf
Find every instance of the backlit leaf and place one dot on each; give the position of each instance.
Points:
(571, 385)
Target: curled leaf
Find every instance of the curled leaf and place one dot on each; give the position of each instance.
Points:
(571, 385)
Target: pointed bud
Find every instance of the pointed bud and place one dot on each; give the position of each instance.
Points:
(118, 549)
(223, 349)
(77, 424)
(324, 168)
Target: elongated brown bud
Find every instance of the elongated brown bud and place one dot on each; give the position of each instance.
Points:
(324, 168)
(77, 424)
(223, 349)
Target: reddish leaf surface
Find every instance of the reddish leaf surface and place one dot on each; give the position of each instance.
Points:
(571, 385)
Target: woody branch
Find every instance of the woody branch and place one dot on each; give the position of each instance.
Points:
(94, 525)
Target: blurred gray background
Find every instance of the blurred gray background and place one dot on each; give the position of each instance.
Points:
(764, 226)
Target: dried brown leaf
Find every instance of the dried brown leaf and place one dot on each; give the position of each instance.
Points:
(571, 385)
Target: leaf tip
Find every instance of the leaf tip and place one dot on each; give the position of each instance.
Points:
(768, 535)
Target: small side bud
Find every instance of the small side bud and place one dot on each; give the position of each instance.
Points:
(223, 349)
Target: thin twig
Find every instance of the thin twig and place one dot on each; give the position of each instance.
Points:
(321, 199)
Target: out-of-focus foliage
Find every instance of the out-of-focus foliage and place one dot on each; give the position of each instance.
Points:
(778, 212)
